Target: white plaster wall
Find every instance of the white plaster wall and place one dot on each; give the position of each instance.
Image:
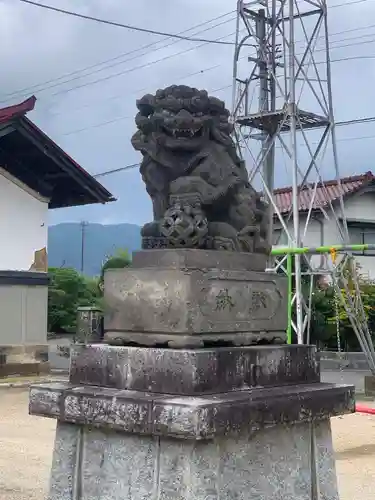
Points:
(358, 207)
(310, 238)
(23, 225)
(362, 207)
(312, 235)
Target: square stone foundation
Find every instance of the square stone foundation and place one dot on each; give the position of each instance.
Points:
(282, 463)
(140, 423)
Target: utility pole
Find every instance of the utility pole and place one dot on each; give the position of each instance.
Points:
(281, 36)
(267, 100)
(83, 225)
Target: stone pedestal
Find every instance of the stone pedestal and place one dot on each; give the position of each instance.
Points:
(195, 298)
(219, 423)
(212, 418)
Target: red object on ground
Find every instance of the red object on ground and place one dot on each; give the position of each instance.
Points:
(364, 409)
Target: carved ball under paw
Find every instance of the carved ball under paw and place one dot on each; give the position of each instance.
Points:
(184, 227)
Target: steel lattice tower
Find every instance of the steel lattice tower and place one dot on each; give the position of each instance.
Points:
(283, 112)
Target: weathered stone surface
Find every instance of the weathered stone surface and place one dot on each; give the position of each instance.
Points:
(283, 463)
(89, 325)
(189, 307)
(189, 372)
(66, 465)
(24, 360)
(190, 417)
(199, 259)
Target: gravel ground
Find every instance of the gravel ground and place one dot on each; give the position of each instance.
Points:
(26, 451)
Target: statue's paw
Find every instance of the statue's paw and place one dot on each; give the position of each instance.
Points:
(151, 229)
(250, 231)
(221, 243)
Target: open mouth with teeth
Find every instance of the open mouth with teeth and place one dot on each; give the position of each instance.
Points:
(183, 133)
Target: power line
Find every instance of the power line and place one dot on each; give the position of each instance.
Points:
(134, 52)
(139, 67)
(126, 26)
(131, 117)
(138, 91)
(355, 121)
(126, 71)
(118, 119)
(135, 165)
(130, 70)
(198, 72)
(121, 118)
(134, 28)
(115, 170)
(23, 91)
(170, 56)
(220, 65)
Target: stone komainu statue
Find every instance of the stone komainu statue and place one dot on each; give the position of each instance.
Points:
(198, 185)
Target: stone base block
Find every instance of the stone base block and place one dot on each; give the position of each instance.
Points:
(283, 463)
(24, 360)
(370, 385)
(189, 417)
(194, 298)
(168, 424)
(192, 372)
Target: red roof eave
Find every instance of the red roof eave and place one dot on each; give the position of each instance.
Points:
(17, 110)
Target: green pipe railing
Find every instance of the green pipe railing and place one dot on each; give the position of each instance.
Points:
(290, 251)
(289, 271)
(322, 249)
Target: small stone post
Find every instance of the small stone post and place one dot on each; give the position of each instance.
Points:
(89, 324)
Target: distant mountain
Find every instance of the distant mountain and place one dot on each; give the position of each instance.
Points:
(100, 241)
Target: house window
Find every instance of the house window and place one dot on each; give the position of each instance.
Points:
(362, 234)
(280, 238)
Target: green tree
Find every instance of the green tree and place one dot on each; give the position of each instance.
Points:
(68, 290)
(329, 314)
(323, 331)
(317, 319)
(119, 260)
(341, 318)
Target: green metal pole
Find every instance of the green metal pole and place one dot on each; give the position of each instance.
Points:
(323, 249)
(289, 252)
(289, 272)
